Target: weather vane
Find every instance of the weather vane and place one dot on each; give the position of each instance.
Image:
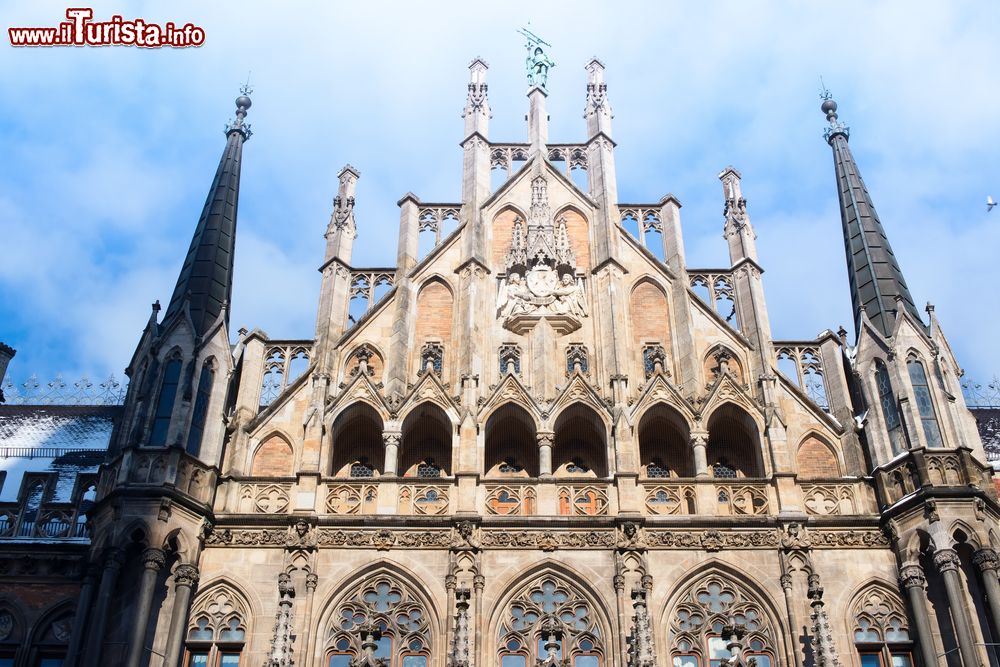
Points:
(538, 62)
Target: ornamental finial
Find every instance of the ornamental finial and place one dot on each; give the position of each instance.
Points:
(243, 103)
(829, 107)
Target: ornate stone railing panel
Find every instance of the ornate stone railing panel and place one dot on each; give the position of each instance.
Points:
(742, 499)
(666, 498)
(928, 468)
(583, 500)
(511, 499)
(50, 522)
(351, 498)
(162, 467)
(264, 498)
(424, 498)
(833, 498)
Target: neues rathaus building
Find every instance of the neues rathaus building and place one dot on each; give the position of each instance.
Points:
(541, 438)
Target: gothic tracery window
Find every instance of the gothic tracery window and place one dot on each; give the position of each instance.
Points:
(165, 403)
(510, 359)
(925, 406)
(200, 412)
(549, 617)
(218, 630)
(696, 634)
(381, 619)
(890, 412)
(881, 630)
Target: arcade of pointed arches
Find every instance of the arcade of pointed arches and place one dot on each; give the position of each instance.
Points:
(579, 443)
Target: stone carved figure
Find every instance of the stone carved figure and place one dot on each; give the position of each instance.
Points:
(300, 536)
(541, 269)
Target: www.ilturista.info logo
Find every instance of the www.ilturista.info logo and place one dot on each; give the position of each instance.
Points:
(80, 30)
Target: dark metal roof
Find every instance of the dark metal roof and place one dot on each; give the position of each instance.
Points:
(988, 422)
(876, 279)
(206, 278)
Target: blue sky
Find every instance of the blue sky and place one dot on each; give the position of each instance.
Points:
(108, 152)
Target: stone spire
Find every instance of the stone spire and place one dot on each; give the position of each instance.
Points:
(824, 650)
(641, 652)
(342, 230)
(597, 111)
(477, 104)
(876, 280)
(206, 280)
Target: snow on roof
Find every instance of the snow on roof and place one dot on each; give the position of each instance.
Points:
(48, 439)
(988, 422)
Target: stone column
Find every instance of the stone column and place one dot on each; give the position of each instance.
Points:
(699, 443)
(545, 441)
(311, 581)
(185, 579)
(619, 584)
(153, 561)
(793, 617)
(911, 578)
(947, 563)
(82, 610)
(987, 561)
(391, 442)
(112, 566)
(478, 584)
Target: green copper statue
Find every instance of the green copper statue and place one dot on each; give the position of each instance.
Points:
(538, 62)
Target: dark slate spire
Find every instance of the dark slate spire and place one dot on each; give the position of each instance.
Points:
(206, 279)
(876, 280)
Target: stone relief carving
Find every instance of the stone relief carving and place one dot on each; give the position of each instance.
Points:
(541, 281)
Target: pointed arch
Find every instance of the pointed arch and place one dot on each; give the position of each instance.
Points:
(220, 622)
(502, 229)
(50, 634)
(390, 595)
(511, 442)
(878, 622)
(816, 458)
(13, 627)
(709, 596)
(734, 443)
(580, 447)
(273, 457)
(357, 442)
(435, 307)
(578, 230)
(554, 590)
(364, 358)
(426, 447)
(721, 358)
(650, 315)
(664, 442)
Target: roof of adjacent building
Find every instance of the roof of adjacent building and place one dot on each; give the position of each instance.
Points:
(64, 440)
(988, 421)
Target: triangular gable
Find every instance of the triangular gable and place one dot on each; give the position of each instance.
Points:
(360, 388)
(645, 253)
(658, 390)
(527, 172)
(727, 390)
(510, 390)
(808, 404)
(429, 388)
(579, 391)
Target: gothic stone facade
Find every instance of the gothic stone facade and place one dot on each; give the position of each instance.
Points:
(542, 439)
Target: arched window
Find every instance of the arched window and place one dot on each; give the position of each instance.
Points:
(881, 631)
(925, 406)
(733, 444)
(165, 403)
(426, 442)
(698, 623)
(205, 382)
(217, 631)
(580, 447)
(274, 377)
(890, 412)
(511, 446)
(550, 617)
(357, 442)
(382, 619)
(48, 649)
(663, 444)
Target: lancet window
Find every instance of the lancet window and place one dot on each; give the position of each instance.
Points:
(165, 403)
(510, 359)
(881, 630)
(577, 359)
(890, 411)
(432, 358)
(925, 405)
(282, 366)
(205, 381)
(217, 631)
(381, 620)
(550, 621)
(699, 625)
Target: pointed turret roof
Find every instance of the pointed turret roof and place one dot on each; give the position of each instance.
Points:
(206, 279)
(876, 279)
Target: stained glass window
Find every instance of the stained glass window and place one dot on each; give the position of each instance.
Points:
(890, 412)
(200, 410)
(925, 406)
(165, 403)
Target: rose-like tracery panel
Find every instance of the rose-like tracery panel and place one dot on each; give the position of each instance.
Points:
(218, 628)
(550, 620)
(697, 621)
(382, 619)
